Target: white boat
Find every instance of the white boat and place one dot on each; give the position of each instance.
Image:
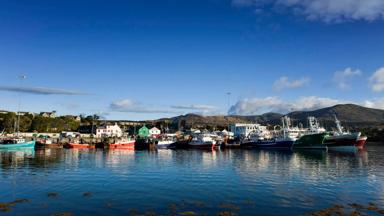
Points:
(203, 141)
(166, 141)
(164, 144)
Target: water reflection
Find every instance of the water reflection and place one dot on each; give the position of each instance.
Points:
(290, 183)
(12, 158)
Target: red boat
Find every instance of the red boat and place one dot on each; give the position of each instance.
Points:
(79, 146)
(361, 142)
(345, 141)
(127, 144)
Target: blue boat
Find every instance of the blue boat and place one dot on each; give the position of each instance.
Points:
(278, 144)
(10, 143)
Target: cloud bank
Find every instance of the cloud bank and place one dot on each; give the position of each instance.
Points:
(130, 106)
(40, 90)
(324, 10)
(257, 106)
(194, 107)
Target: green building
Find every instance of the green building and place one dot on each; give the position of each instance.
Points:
(143, 132)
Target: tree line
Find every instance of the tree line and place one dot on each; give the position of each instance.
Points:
(30, 123)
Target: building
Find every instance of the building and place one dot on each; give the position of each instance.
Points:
(243, 130)
(48, 114)
(109, 131)
(3, 112)
(76, 118)
(143, 132)
(154, 132)
(27, 113)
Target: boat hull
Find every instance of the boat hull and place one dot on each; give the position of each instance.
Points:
(311, 141)
(45, 145)
(350, 142)
(204, 146)
(79, 146)
(126, 145)
(361, 143)
(30, 144)
(165, 146)
(278, 145)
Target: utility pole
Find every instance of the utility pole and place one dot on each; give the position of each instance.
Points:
(228, 107)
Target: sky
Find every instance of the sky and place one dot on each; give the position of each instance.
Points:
(148, 59)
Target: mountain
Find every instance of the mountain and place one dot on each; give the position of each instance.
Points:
(350, 115)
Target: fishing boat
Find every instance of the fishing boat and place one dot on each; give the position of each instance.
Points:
(123, 143)
(345, 141)
(166, 141)
(311, 141)
(203, 141)
(313, 137)
(164, 144)
(79, 145)
(46, 142)
(7, 143)
(16, 141)
(279, 143)
(282, 140)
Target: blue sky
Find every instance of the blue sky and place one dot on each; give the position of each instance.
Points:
(146, 59)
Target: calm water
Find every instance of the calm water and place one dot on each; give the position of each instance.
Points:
(166, 182)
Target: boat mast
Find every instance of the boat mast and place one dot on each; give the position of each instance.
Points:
(17, 128)
(338, 125)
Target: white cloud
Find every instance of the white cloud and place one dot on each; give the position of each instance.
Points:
(284, 82)
(342, 78)
(376, 81)
(325, 10)
(194, 107)
(377, 103)
(256, 106)
(130, 106)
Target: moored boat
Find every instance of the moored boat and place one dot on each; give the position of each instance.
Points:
(344, 141)
(311, 141)
(45, 142)
(203, 141)
(7, 143)
(164, 144)
(166, 141)
(79, 146)
(313, 137)
(281, 140)
(123, 143)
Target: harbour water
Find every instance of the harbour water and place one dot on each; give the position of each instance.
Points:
(189, 182)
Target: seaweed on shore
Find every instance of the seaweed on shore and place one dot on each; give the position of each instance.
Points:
(6, 206)
(353, 209)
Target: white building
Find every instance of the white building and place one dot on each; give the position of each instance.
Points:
(154, 132)
(245, 129)
(109, 131)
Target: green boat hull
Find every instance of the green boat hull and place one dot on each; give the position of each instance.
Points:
(311, 141)
(30, 144)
